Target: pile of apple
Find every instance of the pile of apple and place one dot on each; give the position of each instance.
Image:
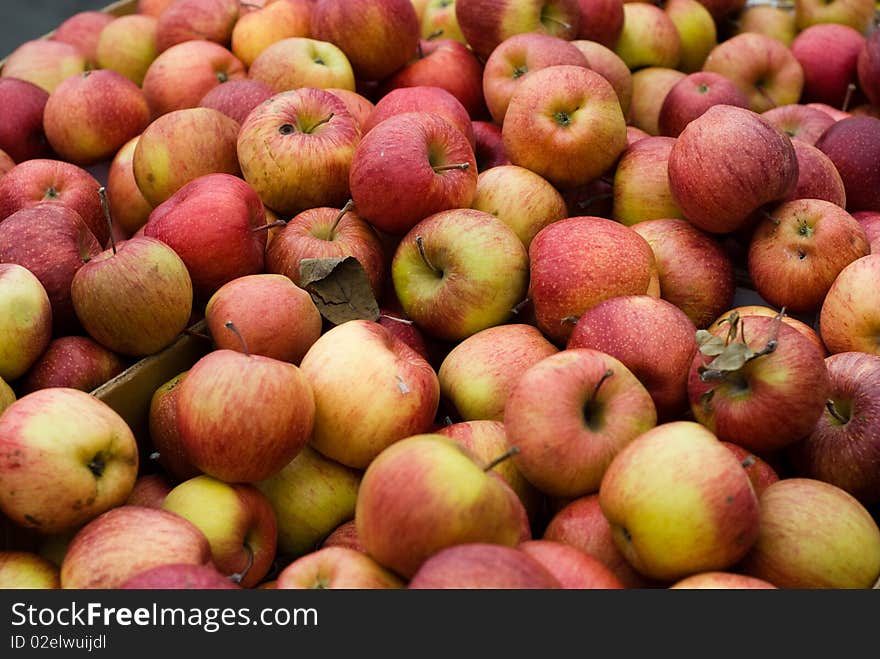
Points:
(496, 294)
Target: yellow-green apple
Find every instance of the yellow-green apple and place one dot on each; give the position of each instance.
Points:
(257, 30)
(44, 62)
(578, 262)
(298, 62)
(799, 248)
(26, 570)
(564, 122)
(52, 242)
(868, 67)
(179, 576)
(150, 490)
(767, 388)
(344, 535)
(215, 223)
(481, 565)
(608, 64)
(763, 68)
(437, 21)
(7, 395)
(489, 151)
(486, 23)
(311, 496)
(187, 20)
(857, 14)
(818, 178)
(696, 31)
(650, 87)
(237, 520)
(152, 7)
(126, 541)
(395, 395)
(679, 502)
(714, 185)
(601, 21)
(421, 99)
(58, 182)
(719, 580)
(649, 37)
(522, 199)
(828, 53)
(800, 121)
(25, 320)
(77, 362)
(692, 96)
(65, 457)
(760, 472)
(870, 221)
(514, 58)
(243, 417)
(377, 36)
(325, 232)
(128, 46)
(21, 132)
(774, 21)
(573, 568)
(83, 30)
(641, 185)
(358, 105)
(336, 568)
(853, 144)
(406, 511)
(569, 415)
(296, 150)
(410, 166)
(458, 272)
(237, 98)
(814, 535)
(112, 292)
(181, 146)
(653, 338)
(128, 207)
(477, 375)
(723, 322)
(91, 115)
(850, 313)
(165, 432)
(181, 76)
(844, 447)
(447, 64)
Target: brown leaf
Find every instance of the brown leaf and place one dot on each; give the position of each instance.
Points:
(339, 288)
(733, 358)
(709, 344)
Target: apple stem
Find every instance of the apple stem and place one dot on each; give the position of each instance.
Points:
(607, 374)
(436, 34)
(348, 206)
(763, 92)
(520, 305)
(850, 88)
(509, 453)
(447, 420)
(231, 326)
(105, 206)
(569, 320)
(565, 25)
(444, 168)
(238, 577)
(421, 245)
(592, 200)
(199, 335)
(769, 216)
(269, 225)
(321, 121)
(832, 410)
(405, 321)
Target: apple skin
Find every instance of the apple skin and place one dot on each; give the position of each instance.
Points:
(586, 132)
(697, 32)
(849, 314)
(65, 457)
(150, 490)
(799, 121)
(237, 98)
(857, 14)
(601, 21)
(844, 450)
(649, 37)
(604, 61)
(298, 62)
(186, 20)
(83, 29)
(761, 310)
(26, 570)
(771, 20)
(760, 473)
(818, 178)
(405, 329)
(44, 62)
(179, 576)
(337, 568)
(721, 581)
(641, 185)
(358, 105)
(489, 151)
(165, 432)
(719, 198)
(564, 284)
(128, 46)
(7, 395)
(25, 321)
(853, 144)
(870, 221)
(77, 362)
(152, 7)
(679, 503)
(758, 407)
(128, 207)
(126, 541)
(868, 68)
(650, 87)
(21, 132)
(255, 31)
(692, 96)
(573, 568)
(828, 54)
(814, 535)
(401, 388)
(344, 535)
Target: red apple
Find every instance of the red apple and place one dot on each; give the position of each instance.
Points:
(358, 105)
(573, 568)
(691, 96)
(187, 20)
(608, 64)
(21, 132)
(601, 21)
(489, 150)
(483, 566)
(337, 568)
(421, 99)
(149, 491)
(805, 123)
(760, 473)
(850, 312)
(345, 535)
(164, 431)
(828, 54)
(853, 144)
(870, 221)
(868, 67)
(83, 30)
(298, 62)
(722, 580)
(77, 362)
(179, 576)
(818, 178)
(237, 98)
(44, 62)
(128, 207)
(723, 320)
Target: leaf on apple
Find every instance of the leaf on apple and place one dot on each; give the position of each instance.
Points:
(339, 288)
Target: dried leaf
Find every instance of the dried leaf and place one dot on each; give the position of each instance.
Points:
(709, 344)
(339, 288)
(733, 358)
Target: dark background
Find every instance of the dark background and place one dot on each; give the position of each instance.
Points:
(22, 20)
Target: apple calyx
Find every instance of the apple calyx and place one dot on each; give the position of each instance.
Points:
(420, 244)
(51, 193)
(222, 77)
(97, 465)
(237, 577)
(562, 118)
(444, 168)
(509, 453)
(231, 327)
(105, 207)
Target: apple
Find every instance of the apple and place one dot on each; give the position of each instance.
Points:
(772, 20)
(298, 62)
(126, 541)
(834, 113)
(868, 67)
(489, 151)
(311, 496)
(853, 144)
(601, 21)
(181, 76)
(6, 163)
(128, 207)
(691, 96)
(857, 14)
(128, 46)
(814, 535)
(721, 581)
(243, 417)
(679, 503)
(696, 31)
(150, 490)
(296, 150)
(764, 69)
(641, 185)
(800, 121)
(818, 178)
(604, 61)
(164, 430)
(336, 568)
(849, 314)
(44, 62)
(404, 329)
(430, 161)
(534, 205)
(255, 31)
(26, 570)
(83, 30)
(7, 395)
(202, 141)
(237, 98)
(65, 457)
(437, 20)
(152, 7)
(565, 282)
(77, 362)
(721, 9)
(573, 568)
(806, 331)
(650, 87)
(344, 535)
(187, 20)
(358, 105)
(25, 321)
(870, 221)
(759, 471)
(479, 565)
(21, 132)
(767, 389)
(649, 37)
(828, 54)
(406, 513)
(179, 576)
(215, 223)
